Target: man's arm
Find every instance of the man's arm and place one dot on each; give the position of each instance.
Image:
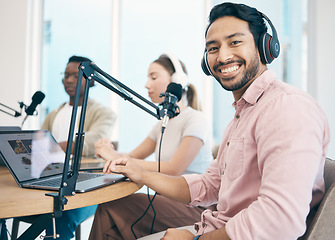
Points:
(173, 187)
(219, 234)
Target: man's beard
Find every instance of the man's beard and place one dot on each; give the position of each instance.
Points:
(249, 74)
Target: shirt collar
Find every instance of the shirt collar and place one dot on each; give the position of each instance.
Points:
(258, 87)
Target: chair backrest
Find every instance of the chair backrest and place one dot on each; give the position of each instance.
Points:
(323, 225)
(215, 150)
(329, 174)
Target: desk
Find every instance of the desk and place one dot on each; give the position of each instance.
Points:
(17, 202)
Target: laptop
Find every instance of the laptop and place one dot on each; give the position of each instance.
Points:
(7, 128)
(94, 164)
(36, 161)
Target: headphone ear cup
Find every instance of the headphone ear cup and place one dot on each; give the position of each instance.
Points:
(264, 48)
(204, 65)
(180, 78)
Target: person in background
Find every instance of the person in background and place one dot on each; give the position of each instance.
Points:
(99, 123)
(268, 176)
(99, 120)
(186, 147)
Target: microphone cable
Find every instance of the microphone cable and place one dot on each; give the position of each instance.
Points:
(148, 194)
(172, 95)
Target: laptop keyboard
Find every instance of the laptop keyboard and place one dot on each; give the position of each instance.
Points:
(57, 180)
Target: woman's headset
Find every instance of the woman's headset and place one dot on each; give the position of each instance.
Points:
(179, 76)
(268, 47)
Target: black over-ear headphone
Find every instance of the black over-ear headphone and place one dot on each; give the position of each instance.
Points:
(268, 47)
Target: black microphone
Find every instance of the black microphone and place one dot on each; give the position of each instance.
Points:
(37, 98)
(172, 95)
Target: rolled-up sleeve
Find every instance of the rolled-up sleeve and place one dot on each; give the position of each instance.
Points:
(204, 188)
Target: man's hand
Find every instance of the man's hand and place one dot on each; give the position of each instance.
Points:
(177, 234)
(126, 166)
(105, 149)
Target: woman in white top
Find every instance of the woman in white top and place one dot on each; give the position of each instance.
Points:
(185, 148)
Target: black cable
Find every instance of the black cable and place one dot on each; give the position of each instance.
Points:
(153, 209)
(150, 204)
(159, 169)
(148, 194)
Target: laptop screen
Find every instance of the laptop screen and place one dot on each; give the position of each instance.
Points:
(7, 128)
(31, 154)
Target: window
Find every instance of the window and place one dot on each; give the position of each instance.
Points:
(147, 29)
(74, 27)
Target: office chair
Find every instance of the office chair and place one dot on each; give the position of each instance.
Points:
(215, 150)
(323, 224)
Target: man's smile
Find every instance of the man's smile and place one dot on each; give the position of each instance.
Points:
(228, 70)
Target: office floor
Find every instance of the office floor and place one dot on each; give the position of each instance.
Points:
(85, 228)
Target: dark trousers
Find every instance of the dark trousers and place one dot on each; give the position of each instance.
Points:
(113, 220)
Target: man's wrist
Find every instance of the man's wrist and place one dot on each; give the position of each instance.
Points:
(196, 237)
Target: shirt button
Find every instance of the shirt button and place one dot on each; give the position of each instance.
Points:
(228, 143)
(203, 224)
(237, 116)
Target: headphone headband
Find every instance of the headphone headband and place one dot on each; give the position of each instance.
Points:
(268, 47)
(179, 76)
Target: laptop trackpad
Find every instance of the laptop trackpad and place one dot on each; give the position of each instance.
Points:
(104, 180)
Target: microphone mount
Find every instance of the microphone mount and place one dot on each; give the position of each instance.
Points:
(15, 113)
(91, 72)
(30, 110)
(169, 104)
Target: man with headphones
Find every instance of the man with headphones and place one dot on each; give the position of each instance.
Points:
(268, 175)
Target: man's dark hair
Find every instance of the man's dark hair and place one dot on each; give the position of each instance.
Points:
(75, 58)
(79, 59)
(251, 15)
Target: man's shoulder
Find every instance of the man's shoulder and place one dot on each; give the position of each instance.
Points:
(281, 89)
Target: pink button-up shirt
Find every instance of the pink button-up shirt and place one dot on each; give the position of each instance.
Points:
(269, 169)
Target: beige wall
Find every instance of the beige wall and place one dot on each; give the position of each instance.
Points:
(20, 57)
(12, 62)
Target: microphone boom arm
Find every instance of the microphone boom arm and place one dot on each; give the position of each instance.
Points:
(120, 88)
(16, 113)
(88, 70)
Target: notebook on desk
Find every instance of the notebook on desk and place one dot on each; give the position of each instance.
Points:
(35, 160)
